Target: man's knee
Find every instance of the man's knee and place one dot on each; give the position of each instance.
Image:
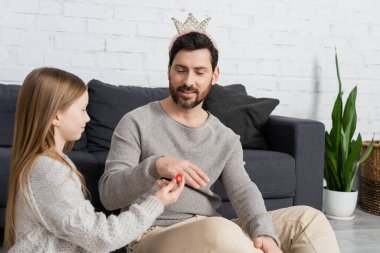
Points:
(222, 235)
(310, 215)
(310, 218)
(304, 212)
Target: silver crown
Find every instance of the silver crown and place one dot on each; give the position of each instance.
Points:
(191, 24)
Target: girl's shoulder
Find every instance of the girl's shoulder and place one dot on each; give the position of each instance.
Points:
(44, 161)
(47, 168)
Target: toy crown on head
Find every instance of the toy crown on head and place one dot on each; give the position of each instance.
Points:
(191, 24)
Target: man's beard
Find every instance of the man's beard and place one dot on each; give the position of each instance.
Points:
(187, 104)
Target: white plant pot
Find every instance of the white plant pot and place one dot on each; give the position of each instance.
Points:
(339, 205)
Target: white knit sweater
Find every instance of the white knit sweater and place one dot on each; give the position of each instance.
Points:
(60, 219)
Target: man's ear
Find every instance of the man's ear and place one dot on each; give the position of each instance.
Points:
(215, 75)
(169, 72)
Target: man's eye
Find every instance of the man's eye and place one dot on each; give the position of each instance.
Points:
(180, 70)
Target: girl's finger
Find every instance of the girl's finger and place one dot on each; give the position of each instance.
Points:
(171, 185)
(159, 184)
(180, 188)
(166, 182)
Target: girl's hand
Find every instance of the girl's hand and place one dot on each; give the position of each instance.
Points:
(169, 191)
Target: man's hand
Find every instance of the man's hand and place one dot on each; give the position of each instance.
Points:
(169, 167)
(266, 244)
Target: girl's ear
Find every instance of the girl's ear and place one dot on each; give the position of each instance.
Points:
(55, 121)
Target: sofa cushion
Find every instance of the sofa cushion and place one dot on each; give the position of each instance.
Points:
(273, 173)
(8, 101)
(108, 104)
(244, 114)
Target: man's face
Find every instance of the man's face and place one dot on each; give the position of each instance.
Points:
(191, 77)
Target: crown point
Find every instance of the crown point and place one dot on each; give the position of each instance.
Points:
(191, 24)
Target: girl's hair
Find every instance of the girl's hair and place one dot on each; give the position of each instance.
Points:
(45, 91)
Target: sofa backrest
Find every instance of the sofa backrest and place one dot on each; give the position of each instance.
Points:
(109, 103)
(8, 100)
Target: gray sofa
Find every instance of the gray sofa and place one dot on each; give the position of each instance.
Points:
(288, 173)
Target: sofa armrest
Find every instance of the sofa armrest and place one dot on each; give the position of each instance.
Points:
(304, 140)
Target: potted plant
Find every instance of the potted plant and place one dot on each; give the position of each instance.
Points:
(342, 157)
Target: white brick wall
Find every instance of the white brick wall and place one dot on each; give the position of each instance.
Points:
(279, 48)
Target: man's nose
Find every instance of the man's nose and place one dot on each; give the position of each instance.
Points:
(190, 79)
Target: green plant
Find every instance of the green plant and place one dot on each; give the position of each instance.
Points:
(342, 152)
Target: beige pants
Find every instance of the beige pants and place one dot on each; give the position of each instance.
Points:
(301, 229)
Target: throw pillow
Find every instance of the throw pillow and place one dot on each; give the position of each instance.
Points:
(108, 104)
(244, 114)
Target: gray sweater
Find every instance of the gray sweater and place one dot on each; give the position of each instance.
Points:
(60, 219)
(149, 132)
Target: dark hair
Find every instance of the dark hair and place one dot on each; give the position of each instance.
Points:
(194, 41)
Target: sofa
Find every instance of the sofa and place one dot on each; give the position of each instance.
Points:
(288, 172)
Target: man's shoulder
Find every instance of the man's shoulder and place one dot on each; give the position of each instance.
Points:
(222, 130)
(142, 112)
(140, 116)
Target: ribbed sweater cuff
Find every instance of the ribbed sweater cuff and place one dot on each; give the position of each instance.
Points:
(152, 167)
(153, 206)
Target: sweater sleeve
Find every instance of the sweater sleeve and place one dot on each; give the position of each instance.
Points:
(245, 197)
(58, 201)
(125, 178)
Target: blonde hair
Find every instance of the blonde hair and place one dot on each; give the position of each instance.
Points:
(45, 91)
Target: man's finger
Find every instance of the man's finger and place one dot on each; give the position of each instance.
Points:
(258, 242)
(190, 181)
(195, 177)
(199, 172)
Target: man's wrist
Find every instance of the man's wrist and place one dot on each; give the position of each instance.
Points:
(156, 166)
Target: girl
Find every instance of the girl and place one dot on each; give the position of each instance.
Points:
(47, 209)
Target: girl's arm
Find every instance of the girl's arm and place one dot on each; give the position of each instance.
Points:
(60, 206)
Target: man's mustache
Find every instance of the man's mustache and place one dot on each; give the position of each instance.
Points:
(187, 88)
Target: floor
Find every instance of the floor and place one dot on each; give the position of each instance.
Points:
(361, 235)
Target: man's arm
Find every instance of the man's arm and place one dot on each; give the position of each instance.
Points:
(245, 197)
(125, 178)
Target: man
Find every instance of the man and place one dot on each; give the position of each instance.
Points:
(176, 135)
